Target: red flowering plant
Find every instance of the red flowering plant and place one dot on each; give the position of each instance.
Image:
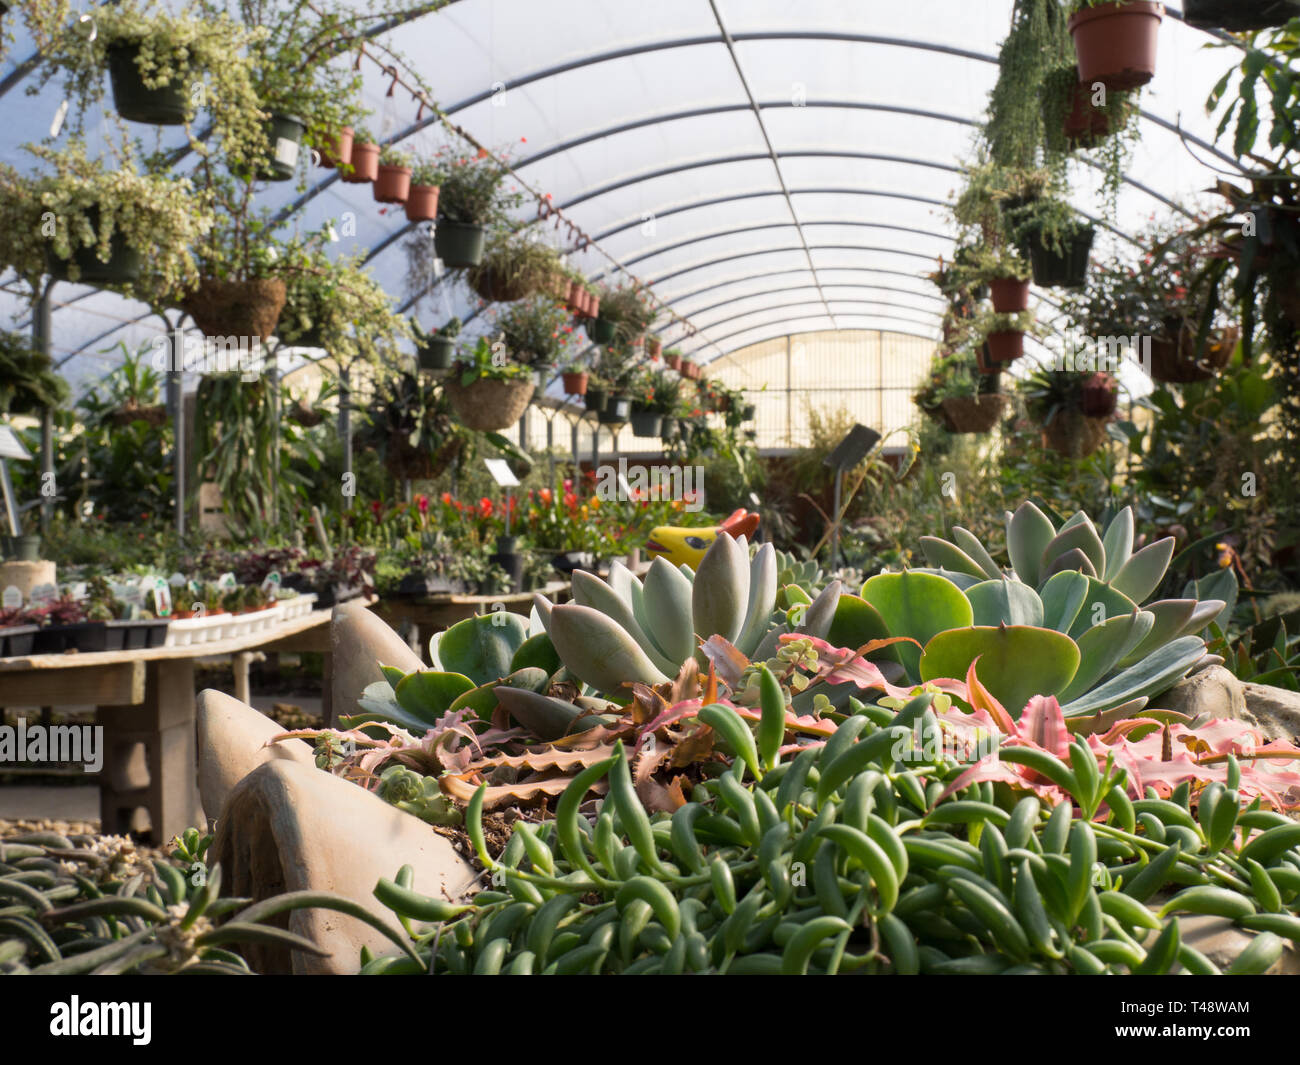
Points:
(471, 185)
(538, 331)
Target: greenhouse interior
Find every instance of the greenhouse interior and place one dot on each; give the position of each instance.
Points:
(446, 445)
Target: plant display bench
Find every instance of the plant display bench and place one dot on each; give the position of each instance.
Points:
(144, 700)
(426, 615)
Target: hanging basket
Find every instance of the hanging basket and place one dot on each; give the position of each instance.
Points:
(422, 203)
(494, 288)
(601, 330)
(1067, 268)
(488, 404)
(617, 410)
(1237, 16)
(1006, 347)
(575, 384)
(436, 353)
(653, 347)
(365, 164)
(673, 362)
(971, 414)
(1116, 44)
(1173, 357)
(1099, 397)
(667, 428)
(408, 463)
(1010, 296)
(167, 105)
(284, 141)
(459, 244)
(646, 423)
(123, 264)
(1084, 125)
(132, 412)
(392, 184)
(236, 308)
(1073, 434)
(338, 150)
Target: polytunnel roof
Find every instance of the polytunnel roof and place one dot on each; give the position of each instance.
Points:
(766, 168)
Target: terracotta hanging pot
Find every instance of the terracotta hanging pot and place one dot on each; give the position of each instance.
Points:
(674, 362)
(1084, 125)
(365, 164)
(1116, 44)
(392, 183)
(1009, 295)
(422, 203)
(575, 384)
(1173, 356)
(1099, 397)
(653, 347)
(337, 151)
(1006, 346)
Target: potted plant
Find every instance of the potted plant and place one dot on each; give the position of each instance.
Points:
(664, 399)
(1004, 334)
(1115, 41)
(436, 350)
(1099, 395)
(470, 198)
(487, 390)
(335, 149)
(363, 161)
(536, 331)
(1055, 240)
(512, 266)
(646, 414)
(89, 224)
(575, 379)
(1055, 400)
(617, 409)
(422, 199)
(597, 393)
(28, 383)
(393, 178)
(625, 313)
(18, 628)
(952, 395)
(673, 359)
(412, 429)
(690, 370)
(653, 347)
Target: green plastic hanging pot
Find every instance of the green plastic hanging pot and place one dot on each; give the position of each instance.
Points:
(594, 398)
(167, 105)
(123, 264)
(601, 330)
(436, 353)
(459, 244)
(618, 408)
(647, 423)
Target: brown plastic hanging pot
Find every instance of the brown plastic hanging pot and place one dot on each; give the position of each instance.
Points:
(1116, 44)
(365, 164)
(392, 183)
(422, 203)
(575, 384)
(1006, 346)
(337, 151)
(1009, 295)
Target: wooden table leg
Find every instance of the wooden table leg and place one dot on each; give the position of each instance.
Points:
(164, 725)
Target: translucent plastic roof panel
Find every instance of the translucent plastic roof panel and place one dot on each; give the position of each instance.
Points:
(639, 120)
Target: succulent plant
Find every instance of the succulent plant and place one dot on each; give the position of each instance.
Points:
(624, 630)
(1069, 619)
(864, 854)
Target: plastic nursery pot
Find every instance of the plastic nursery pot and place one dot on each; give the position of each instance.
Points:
(365, 164)
(1006, 347)
(673, 362)
(337, 151)
(575, 384)
(1116, 45)
(27, 548)
(618, 408)
(1084, 125)
(667, 427)
(1009, 295)
(284, 139)
(646, 423)
(1238, 15)
(653, 347)
(123, 264)
(422, 203)
(436, 353)
(392, 183)
(748, 412)
(595, 399)
(573, 297)
(164, 106)
(510, 560)
(458, 244)
(1067, 268)
(593, 305)
(18, 640)
(601, 330)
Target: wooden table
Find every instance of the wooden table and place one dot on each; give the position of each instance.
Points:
(145, 703)
(429, 614)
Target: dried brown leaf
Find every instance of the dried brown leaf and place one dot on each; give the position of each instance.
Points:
(463, 787)
(543, 760)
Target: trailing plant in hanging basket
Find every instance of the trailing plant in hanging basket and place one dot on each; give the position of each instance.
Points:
(1037, 42)
(248, 308)
(80, 217)
(537, 332)
(436, 350)
(513, 267)
(487, 391)
(472, 187)
(628, 308)
(412, 428)
(28, 382)
(1055, 399)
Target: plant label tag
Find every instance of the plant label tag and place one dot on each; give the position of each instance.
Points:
(501, 472)
(59, 116)
(272, 582)
(162, 598)
(11, 598)
(44, 593)
(227, 580)
(78, 590)
(286, 151)
(132, 595)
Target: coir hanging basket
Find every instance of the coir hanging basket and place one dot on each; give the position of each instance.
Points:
(1073, 434)
(1173, 357)
(488, 404)
(971, 414)
(236, 308)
